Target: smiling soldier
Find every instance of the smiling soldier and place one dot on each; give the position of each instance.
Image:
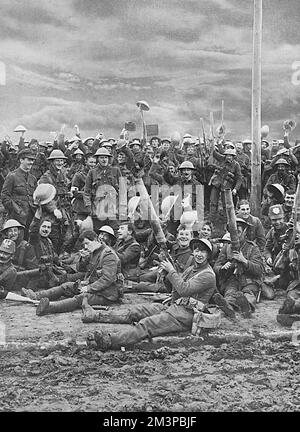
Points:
(195, 286)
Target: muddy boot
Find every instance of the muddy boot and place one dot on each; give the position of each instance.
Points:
(267, 292)
(67, 305)
(99, 340)
(224, 305)
(88, 313)
(243, 304)
(287, 320)
(288, 306)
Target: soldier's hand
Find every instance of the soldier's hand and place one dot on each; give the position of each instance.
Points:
(239, 257)
(57, 213)
(234, 192)
(269, 261)
(83, 289)
(226, 266)
(166, 265)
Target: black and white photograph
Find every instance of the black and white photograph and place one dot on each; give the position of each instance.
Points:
(149, 209)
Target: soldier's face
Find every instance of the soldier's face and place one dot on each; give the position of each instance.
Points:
(186, 173)
(190, 150)
(229, 158)
(103, 161)
(45, 229)
(205, 232)
(91, 162)
(200, 255)
(5, 257)
(165, 145)
(121, 158)
(26, 164)
(184, 237)
(245, 211)
(58, 163)
(123, 232)
(108, 148)
(136, 148)
(154, 143)
(281, 168)
(289, 200)
(13, 233)
(277, 223)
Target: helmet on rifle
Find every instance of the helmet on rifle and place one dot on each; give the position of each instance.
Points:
(186, 165)
(57, 154)
(230, 152)
(44, 193)
(11, 223)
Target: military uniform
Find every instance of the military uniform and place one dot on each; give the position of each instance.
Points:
(62, 229)
(196, 283)
(129, 253)
(102, 289)
(17, 196)
(101, 203)
(239, 277)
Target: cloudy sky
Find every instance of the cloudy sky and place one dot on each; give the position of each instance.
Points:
(87, 62)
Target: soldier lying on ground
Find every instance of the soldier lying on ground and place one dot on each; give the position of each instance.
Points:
(195, 286)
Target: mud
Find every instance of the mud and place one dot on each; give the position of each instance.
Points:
(45, 366)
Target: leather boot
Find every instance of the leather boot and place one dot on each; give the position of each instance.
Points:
(243, 304)
(45, 307)
(99, 340)
(89, 315)
(224, 305)
(287, 320)
(288, 306)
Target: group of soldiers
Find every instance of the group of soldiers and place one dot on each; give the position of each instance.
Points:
(68, 242)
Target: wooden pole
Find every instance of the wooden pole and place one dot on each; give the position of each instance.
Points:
(255, 196)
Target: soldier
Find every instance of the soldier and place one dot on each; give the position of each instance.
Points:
(8, 273)
(77, 188)
(229, 168)
(63, 225)
(255, 231)
(274, 241)
(18, 189)
(288, 205)
(101, 202)
(100, 285)
(128, 249)
(24, 256)
(239, 275)
(282, 176)
(195, 286)
(244, 162)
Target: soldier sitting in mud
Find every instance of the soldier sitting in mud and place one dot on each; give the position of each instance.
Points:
(154, 280)
(8, 273)
(100, 284)
(193, 288)
(239, 275)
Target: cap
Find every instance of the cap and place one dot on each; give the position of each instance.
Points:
(26, 153)
(8, 246)
(276, 212)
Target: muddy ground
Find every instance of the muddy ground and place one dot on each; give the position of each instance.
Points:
(246, 365)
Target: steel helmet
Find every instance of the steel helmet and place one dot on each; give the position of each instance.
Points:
(108, 230)
(205, 242)
(44, 193)
(78, 151)
(275, 188)
(57, 154)
(230, 151)
(20, 128)
(120, 144)
(88, 139)
(282, 161)
(187, 165)
(11, 223)
(8, 246)
(102, 152)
